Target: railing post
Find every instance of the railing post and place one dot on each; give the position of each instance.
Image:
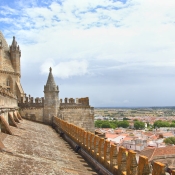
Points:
(113, 157)
(79, 136)
(158, 168)
(92, 144)
(143, 166)
(87, 140)
(101, 150)
(106, 153)
(131, 163)
(84, 139)
(121, 160)
(76, 134)
(96, 151)
(81, 139)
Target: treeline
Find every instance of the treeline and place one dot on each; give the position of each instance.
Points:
(115, 124)
(137, 124)
(160, 123)
(111, 124)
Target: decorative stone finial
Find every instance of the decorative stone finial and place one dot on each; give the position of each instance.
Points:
(50, 69)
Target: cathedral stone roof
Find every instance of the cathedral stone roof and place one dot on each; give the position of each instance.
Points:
(6, 62)
(3, 41)
(36, 149)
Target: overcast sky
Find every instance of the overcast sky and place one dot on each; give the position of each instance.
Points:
(116, 52)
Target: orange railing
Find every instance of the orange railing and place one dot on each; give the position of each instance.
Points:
(117, 161)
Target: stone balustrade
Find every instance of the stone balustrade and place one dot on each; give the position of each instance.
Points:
(118, 161)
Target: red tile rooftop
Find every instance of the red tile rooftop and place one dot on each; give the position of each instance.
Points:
(37, 149)
(111, 135)
(128, 138)
(152, 152)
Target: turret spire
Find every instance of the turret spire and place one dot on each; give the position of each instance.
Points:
(50, 85)
(14, 45)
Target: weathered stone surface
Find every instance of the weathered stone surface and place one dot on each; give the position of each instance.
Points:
(35, 114)
(37, 149)
(81, 117)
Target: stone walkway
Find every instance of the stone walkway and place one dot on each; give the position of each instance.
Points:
(36, 149)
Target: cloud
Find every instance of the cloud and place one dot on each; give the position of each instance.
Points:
(65, 69)
(109, 42)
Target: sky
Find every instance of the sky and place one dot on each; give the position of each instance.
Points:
(119, 53)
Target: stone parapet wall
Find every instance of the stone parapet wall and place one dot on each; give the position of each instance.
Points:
(80, 116)
(34, 114)
(118, 161)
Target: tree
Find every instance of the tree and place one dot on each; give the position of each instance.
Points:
(123, 124)
(160, 123)
(139, 125)
(172, 124)
(106, 125)
(169, 140)
(98, 123)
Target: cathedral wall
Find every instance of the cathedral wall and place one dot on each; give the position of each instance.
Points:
(79, 116)
(34, 114)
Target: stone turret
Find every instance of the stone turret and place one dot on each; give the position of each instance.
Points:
(15, 56)
(51, 102)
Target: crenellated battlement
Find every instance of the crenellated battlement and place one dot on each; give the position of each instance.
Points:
(31, 102)
(106, 157)
(74, 103)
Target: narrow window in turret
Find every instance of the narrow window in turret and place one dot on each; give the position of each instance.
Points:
(8, 82)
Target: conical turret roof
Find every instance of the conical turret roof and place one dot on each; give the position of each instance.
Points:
(14, 43)
(50, 80)
(51, 85)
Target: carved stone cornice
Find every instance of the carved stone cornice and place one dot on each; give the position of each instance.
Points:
(8, 72)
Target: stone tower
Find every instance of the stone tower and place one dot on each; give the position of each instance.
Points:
(51, 102)
(15, 54)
